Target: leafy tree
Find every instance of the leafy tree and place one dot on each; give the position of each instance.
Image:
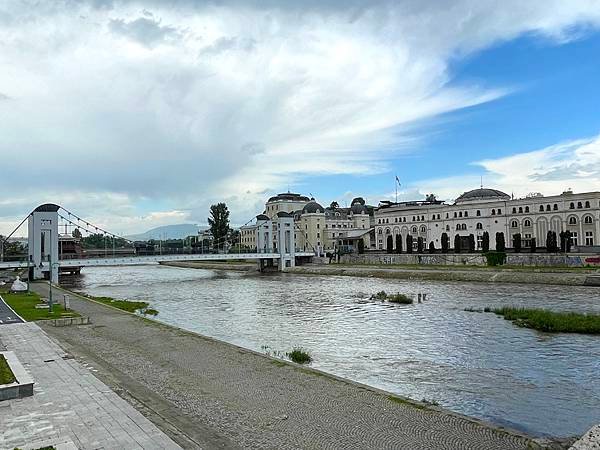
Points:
(409, 243)
(390, 244)
(358, 200)
(431, 247)
(565, 241)
(551, 242)
(219, 223)
(334, 205)
(398, 243)
(517, 242)
(485, 242)
(430, 198)
(419, 244)
(471, 243)
(500, 242)
(76, 233)
(361, 246)
(445, 242)
(457, 243)
(98, 240)
(533, 247)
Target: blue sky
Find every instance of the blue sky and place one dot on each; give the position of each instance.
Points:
(136, 114)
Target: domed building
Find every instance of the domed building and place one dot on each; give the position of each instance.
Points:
(482, 210)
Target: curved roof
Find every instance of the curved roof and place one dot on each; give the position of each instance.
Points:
(358, 208)
(47, 207)
(483, 194)
(288, 196)
(283, 214)
(312, 207)
(262, 217)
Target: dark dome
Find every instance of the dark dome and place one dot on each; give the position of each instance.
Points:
(312, 207)
(288, 196)
(262, 217)
(358, 208)
(47, 207)
(283, 214)
(483, 194)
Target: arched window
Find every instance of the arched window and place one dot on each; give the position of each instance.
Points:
(527, 209)
(447, 227)
(499, 211)
(478, 213)
(479, 226)
(460, 214)
(579, 205)
(466, 213)
(378, 220)
(455, 215)
(587, 204)
(572, 220)
(423, 229)
(520, 209)
(527, 223)
(547, 207)
(572, 205)
(380, 231)
(514, 224)
(414, 229)
(458, 226)
(588, 219)
(404, 219)
(464, 226)
(514, 210)
(493, 212)
(555, 207)
(422, 218)
(413, 218)
(447, 215)
(395, 219)
(433, 217)
(542, 208)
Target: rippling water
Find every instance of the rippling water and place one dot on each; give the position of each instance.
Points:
(473, 363)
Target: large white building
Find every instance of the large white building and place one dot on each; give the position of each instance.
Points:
(317, 228)
(490, 210)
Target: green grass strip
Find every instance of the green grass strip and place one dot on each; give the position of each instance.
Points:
(6, 375)
(551, 321)
(24, 305)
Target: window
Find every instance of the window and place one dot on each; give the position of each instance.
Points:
(547, 207)
(460, 214)
(579, 205)
(380, 231)
(574, 238)
(455, 215)
(555, 207)
(447, 227)
(466, 213)
(423, 229)
(413, 219)
(395, 219)
(447, 215)
(499, 211)
(438, 217)
(422, 218)
(572, 220)
(514, 224)
(464, 226)
(542, 208)
(493, 212)
(318, 226)
(520, 210)
(478, 213)
(527, 209)
(514, 210)
(587, 204)
(589, 238)
(479, 226)
(588, 219)
(414, 229)
(572, 205)
(527, 223)
(458, 226)
(404, 220)
(433, 217)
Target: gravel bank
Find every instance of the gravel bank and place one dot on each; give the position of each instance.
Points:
(211, 394)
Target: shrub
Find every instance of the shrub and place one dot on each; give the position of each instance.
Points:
(299, 356)
(381, 295)
(409, 244)
(500, 242)
(485, 242)
(457, 243)
(400, 298)
(533, 247)
(471, 243)
(445, 242)
(398, 243)
(419, 244)
(390, 244)
(517, 242)
(495, 258)
(431, 247)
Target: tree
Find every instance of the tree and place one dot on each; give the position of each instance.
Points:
(409, 243)
(565, 241)
(551, 242)
(533, 247)
(390, 244)
(457, 243)
(219, 223)
(517, 242)
(76, 233)
(398, 243)
(334, 205)
(445, 242)
(361, 246)
(500, 242)
(431, 247)
(471, 243)
(430, 198)
(359, 200)
(485, 242)
(419, 244)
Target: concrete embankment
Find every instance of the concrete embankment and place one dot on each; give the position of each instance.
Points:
(217, 395)
(237, 266)
(568, 278)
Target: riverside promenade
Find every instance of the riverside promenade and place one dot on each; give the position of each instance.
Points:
(210, 394)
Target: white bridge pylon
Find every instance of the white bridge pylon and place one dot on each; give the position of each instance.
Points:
(44, 256)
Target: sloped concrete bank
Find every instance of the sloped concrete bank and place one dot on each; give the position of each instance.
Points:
(239, 267)
(566, 278)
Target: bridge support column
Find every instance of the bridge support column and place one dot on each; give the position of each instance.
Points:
(286, 241)
(43, 241)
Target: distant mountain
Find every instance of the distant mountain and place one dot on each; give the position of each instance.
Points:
(179, 231)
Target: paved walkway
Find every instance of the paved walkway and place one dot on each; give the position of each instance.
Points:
(221, 396)
(69, 406)
(7, 315)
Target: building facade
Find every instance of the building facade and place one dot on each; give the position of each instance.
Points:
(481, 210)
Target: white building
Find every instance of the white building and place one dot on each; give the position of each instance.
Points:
(490, 210)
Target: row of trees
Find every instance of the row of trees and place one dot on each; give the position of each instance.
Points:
(517, 243)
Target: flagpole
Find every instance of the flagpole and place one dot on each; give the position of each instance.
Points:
(396, 185)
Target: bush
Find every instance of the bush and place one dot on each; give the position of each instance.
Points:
(533, 247)
(517, 242)
(500, 242)
(409, 244)
(398, 243)
(445, 242)
(381, 295)
(299, 356)
(431, 247)
(390, 244)
(495, 258)
(471, 243)
(392, 298)
(457, 241)
(419, 245)
(485, 242)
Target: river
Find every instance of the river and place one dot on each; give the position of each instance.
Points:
(473, 363)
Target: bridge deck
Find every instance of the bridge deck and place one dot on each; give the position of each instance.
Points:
(134, 260)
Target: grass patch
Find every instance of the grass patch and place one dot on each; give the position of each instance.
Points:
(24, 305)
(300, 356)
(402, 401)
(392, 298)
(550, 321)
(127, 305)
(6, 375)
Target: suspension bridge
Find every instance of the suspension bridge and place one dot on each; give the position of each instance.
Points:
(45, 259)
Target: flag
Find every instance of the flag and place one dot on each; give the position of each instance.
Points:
(398, 180)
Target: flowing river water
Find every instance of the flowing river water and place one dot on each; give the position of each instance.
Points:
(473, 363)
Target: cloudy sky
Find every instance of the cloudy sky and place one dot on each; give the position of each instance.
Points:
(137, 114)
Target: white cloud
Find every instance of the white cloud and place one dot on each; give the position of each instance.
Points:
(191, 103)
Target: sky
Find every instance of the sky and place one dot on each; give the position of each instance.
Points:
(140, 114)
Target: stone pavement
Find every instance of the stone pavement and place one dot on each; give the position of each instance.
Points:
(7, 315)
(589, 441)
(70, 407)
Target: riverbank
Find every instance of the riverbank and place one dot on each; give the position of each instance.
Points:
(218, 395)
(214, 265)
(565, 277)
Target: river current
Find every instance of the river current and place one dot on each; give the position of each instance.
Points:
(473, 363)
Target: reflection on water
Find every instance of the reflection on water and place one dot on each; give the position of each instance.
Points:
(473, 363)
